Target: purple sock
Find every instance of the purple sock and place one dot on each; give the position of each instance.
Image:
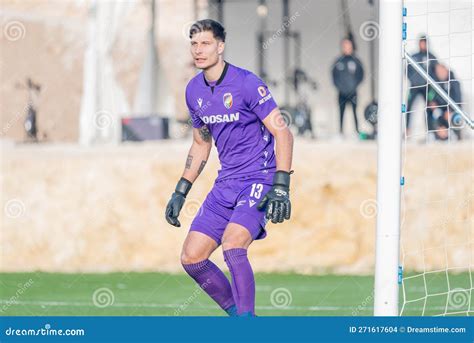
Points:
(243, 281)
(213, 281)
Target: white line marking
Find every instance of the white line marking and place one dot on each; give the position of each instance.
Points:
(174, 306)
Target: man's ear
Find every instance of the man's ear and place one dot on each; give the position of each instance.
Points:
(220, 48)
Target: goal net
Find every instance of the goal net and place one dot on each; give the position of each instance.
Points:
(437, 196)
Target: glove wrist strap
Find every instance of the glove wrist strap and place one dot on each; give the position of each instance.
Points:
(282, 178)
(183, 186)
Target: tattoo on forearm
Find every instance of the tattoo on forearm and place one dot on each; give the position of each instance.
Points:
(201, 167)
(189, 160)
(205, 134)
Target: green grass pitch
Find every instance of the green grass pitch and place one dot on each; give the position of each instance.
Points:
(160, 294)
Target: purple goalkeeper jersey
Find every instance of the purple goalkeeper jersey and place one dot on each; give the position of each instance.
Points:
(233, 109)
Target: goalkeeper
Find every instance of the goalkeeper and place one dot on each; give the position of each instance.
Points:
(234, 108)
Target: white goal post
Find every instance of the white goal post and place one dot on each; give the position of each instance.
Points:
(388, 158)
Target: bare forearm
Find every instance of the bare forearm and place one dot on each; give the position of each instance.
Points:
(284, 149)
(196, 161)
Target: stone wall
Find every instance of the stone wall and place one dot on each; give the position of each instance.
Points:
(71, 209)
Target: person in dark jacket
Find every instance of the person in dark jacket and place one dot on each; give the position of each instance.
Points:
(446, 116)
(418, 84)
(347, 74)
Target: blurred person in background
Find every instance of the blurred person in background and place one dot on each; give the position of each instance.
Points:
(234, 108)
(347, 74)
(444, 116)
(418, 84)
(30, 122)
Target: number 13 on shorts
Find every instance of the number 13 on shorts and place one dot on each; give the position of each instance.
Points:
(256, 191)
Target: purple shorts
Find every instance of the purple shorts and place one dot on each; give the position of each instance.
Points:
(234, 201)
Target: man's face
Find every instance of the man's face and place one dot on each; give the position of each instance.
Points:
(205, 49)
(347, 47)
(422, 45)
(442, 73)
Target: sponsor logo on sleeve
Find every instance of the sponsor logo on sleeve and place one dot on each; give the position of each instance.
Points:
(199, 101)
(263, 93)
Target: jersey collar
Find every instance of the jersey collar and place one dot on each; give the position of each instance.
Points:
(221, 78)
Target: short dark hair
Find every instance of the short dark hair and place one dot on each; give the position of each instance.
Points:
(208, 25)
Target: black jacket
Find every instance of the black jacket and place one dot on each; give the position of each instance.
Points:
(347, 74)
(422, 59)
(451, 87)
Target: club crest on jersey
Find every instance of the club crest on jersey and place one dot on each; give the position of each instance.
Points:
(227, 98)
(262, 91)
(199, 102)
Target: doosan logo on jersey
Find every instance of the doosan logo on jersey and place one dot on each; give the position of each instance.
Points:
(220, 118)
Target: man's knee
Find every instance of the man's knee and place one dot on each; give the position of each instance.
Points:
(232, 243)
(237, 237)
(196, 248)
(189, 256)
